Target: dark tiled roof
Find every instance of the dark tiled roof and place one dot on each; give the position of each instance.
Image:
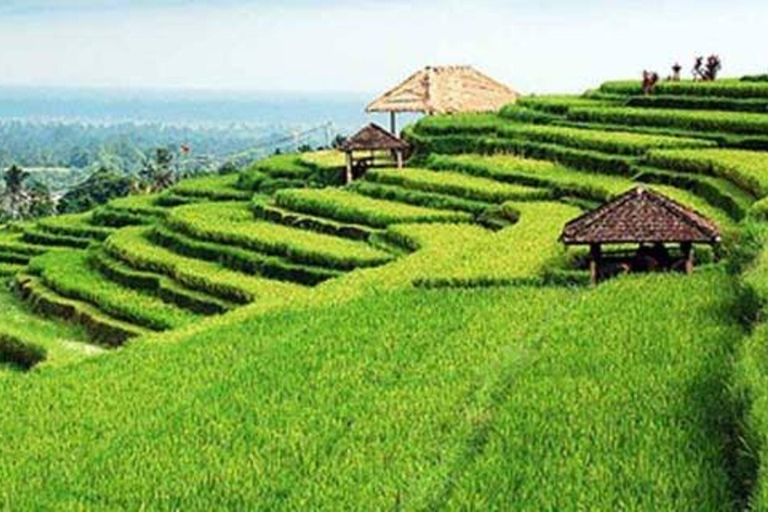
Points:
(373, 137)
(640, 216)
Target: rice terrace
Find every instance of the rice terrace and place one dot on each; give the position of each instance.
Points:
(481, 299)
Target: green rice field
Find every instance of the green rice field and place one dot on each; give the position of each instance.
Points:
(419, 339)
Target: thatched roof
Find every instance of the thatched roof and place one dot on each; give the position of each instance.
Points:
(445, 90)
(373, 137)
(640, 216)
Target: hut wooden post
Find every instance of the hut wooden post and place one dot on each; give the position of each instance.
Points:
(687, 249)
(595, 255)
(348, 173)
(399, 157)
(393, 123)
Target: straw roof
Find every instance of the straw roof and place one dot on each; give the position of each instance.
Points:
(445, 90)
(373, 137)
(640, 216)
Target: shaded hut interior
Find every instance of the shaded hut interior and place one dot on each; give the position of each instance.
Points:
(370, 147)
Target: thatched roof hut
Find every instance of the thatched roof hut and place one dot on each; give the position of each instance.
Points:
(445, 90)
(641, 216)
(371, 138)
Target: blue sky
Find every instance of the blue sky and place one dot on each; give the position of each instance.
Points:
(338, 45)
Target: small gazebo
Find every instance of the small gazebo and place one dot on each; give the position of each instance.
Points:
(444, 90)
(371, 139)
(642, 217)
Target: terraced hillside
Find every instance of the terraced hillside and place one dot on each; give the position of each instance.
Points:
(416, 339)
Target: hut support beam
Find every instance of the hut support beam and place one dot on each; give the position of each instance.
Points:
(348, 171)
(687, 249)
(399, 157)
(595, 253)
(393, 123)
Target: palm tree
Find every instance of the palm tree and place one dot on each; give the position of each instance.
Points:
(15, 199)
(160, 173)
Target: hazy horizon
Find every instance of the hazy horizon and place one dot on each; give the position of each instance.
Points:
(364, 47)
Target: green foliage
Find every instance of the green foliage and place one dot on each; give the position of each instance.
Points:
(132, 246)
(346, 206)
(17, 352)
(587, 139)
(243, 260)
(700, 103)
(323, 168)
(100, 187)
(559, 104)
(45, 238)
(279, 215)
(27, 340)
(76, 225)
(638, 394)
(69, 274)
(589, 160)
(233, 223)
(216, 188)
(514, 255)
(755, 78)
(457, 184)
(101, 327)
(536, 173)
(417, 197)
(166, 289)
(721, 88)
(695, 120)
(412, 398)
(747, 169)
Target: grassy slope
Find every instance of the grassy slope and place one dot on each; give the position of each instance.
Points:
(62, 342)
(396, 399)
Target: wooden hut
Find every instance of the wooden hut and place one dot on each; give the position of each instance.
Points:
(371, 139)
(642, 217)
(444, 90)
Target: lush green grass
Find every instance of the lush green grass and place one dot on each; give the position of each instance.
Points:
(327, 159)
(747, 169)
(139, 205)
(283, 166)
(517, 254)
(217, 188)
(457, 184)
(414, 400)
(617, 408)
(569, 182)
(626, 143)
(695, 120)
(101, 327)
(132, 246)
(513, 169)
(346, 206)
(69, 274)
(418, 197)
(759, 105)
(233, 223)
(60, 343)
(75, 225)
(559, 104)
(729, 88)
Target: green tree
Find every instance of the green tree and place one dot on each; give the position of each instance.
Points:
(14, 201)
(41, 203)
(159, 173)
(100, 187)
